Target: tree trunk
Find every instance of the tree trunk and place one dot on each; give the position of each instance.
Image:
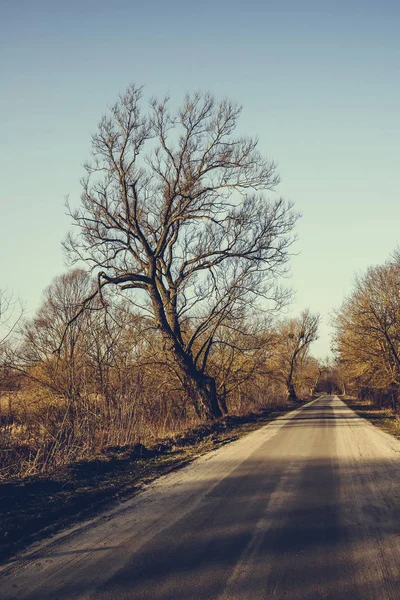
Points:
(202, 391)
(222, 401)
(200, 387)
(292, 393)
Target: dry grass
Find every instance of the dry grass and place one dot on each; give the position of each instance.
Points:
(62, 460)
(41, 432)
(36, 506)
(384, 418)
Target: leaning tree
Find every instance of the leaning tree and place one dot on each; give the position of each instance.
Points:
(173, 208)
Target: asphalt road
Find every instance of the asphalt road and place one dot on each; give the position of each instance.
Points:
(307, 507)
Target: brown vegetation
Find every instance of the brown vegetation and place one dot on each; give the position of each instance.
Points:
(33, 507)
(382, 417)
(114, 383)
(175, 322)
(367, 336)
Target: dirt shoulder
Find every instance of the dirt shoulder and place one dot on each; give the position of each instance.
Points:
(36, 507)
(381, 417)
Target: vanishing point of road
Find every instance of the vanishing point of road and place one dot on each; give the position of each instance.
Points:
(307, 507)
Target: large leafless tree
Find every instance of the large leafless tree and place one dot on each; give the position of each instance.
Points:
(174, 209)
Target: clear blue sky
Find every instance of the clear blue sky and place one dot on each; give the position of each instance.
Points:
(319, 82)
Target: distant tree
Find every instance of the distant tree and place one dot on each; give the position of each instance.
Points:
(293, 343)
(173, 209)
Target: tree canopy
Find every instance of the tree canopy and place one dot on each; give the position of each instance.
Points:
(174, 208)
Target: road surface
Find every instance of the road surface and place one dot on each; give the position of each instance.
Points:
(308, 507)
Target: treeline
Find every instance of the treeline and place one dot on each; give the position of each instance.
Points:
(69, 390)
(367, 335)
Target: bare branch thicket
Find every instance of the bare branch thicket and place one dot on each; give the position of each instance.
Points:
(90, 393)
(103, 339)
(42, 334)
(174, 208)
(242, 350)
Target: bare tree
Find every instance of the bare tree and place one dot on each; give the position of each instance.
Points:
(294, 339)
(173, 208)
(41, 336)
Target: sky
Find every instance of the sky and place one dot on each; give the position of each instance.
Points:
(319, 83)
